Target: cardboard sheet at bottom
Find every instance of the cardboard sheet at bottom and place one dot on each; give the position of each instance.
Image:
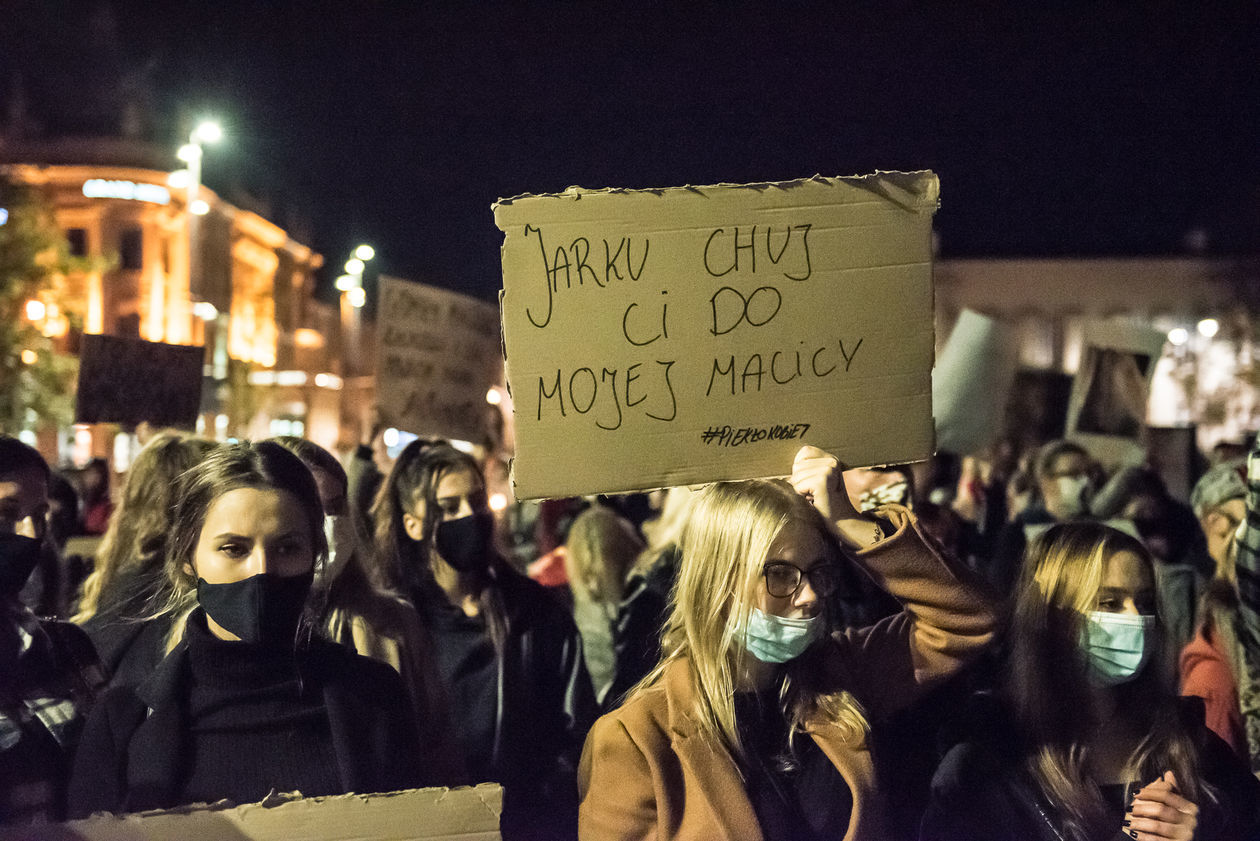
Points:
(427, 814)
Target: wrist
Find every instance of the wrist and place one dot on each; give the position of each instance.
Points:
(859, 532)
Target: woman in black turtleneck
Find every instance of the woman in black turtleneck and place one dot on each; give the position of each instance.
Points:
(247, 703)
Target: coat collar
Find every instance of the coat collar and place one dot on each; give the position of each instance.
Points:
(709, 765)
(718, 778)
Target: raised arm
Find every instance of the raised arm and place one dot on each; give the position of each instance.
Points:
(947, 618)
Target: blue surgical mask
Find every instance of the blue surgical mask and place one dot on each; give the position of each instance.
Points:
(775, 639)
(1116, 645)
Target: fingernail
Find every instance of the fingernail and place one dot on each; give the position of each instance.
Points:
(1133, 833)
(1125, 823)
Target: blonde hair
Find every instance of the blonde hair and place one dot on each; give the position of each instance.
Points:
(601, 548)
(1047, 683)
(724, 547)
(134, 542)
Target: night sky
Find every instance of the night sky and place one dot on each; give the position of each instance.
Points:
(1092, 128)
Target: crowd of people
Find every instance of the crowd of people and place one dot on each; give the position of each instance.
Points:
(1019, 647)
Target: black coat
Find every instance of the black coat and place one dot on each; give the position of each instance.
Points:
(981, 793)
(544, 707)
(133, 752)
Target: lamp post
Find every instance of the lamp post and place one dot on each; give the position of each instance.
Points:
(191, 153)
(353, 298)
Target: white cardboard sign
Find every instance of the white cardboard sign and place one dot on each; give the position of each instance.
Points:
(438, 354)
(427, 814)
(693, 334)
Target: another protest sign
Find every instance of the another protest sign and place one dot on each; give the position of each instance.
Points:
(428, 814)
(692, 334)
(1107, 410)
(128, 381)
(971, 383)
(438, 354)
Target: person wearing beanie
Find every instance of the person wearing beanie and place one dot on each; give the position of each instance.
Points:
(248, 702)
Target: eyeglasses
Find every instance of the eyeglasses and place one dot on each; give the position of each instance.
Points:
(784, 579)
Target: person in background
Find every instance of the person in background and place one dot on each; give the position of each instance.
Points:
(1246, 552)
(374, 621)
(120, 607)
(97, 504)
(1136, 498)
(49, 673)
(1086, 737)
(600, 550)
(756, 722)
(644, 605)
(249, 701)
(509, 654)
(1064, 481)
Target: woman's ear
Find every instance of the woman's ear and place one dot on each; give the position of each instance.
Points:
(413, 527)
(189, 571)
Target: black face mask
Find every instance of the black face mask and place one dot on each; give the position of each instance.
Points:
(466, 543)
(263, 608)
(18, 557)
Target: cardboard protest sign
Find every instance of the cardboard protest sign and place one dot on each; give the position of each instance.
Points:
(693, 334)
(438, 354)
(971, 383)
(1107, 410)
(429, 814)
(128, 381)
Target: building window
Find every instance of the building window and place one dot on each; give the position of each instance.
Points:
(76, 240)
(131, 248)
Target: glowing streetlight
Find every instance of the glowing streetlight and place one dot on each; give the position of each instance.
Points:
(357, 297)
(208, 131)
(35, 310)
(365, 252)
(1178, 336)
(493, 397)
(345, 283)
(1208, 327)
(355, 266)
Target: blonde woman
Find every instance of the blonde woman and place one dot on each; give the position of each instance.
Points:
(1087, 738)
(121, 597)
(599, 552)
(755, 723)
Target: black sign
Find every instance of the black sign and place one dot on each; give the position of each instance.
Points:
(128, 381)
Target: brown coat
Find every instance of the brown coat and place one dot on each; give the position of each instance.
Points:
(649, 772)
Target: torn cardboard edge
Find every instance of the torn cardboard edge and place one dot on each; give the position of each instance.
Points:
(932, 196)
(467, 813)
(893, 264)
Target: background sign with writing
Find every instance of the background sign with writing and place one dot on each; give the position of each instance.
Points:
(693, 334)
(128, 381)
(438, 355)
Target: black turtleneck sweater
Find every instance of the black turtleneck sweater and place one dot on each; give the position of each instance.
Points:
(252, 727)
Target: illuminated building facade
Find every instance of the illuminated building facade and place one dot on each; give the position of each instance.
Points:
(273, 351)
(1209, 373)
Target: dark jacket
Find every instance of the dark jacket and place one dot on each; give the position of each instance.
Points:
(981, 793)
(545, 706)
(130, 646)
(133, 752)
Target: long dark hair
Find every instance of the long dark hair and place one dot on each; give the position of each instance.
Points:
(1046, 682)
(404, 564)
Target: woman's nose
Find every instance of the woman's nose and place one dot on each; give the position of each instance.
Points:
(1131, 608)
(805, 596)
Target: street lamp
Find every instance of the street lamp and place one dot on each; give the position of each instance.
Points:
(353, 298)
